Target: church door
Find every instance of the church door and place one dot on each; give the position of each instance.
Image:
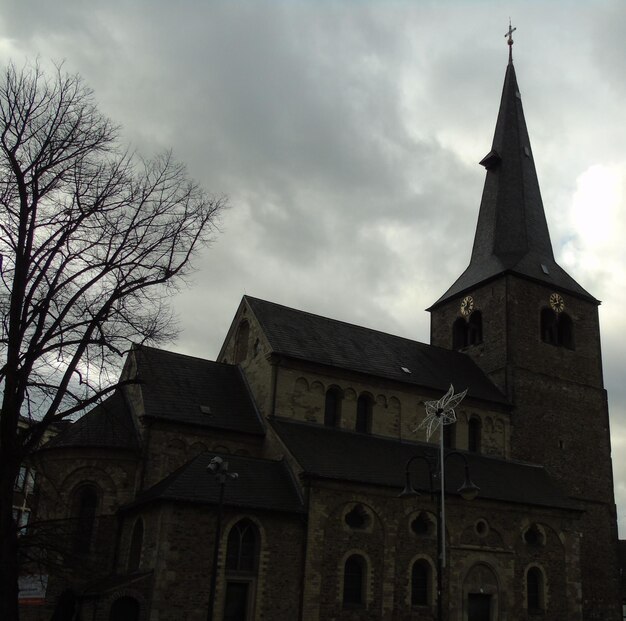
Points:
(478, 607)
(236, 604)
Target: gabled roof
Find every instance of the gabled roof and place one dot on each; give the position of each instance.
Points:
(261, 484)
(317, 339)
(341, 455)
(185, 389)
(108, 425)
(512, 233)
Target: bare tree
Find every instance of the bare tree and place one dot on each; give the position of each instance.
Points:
(93, 239)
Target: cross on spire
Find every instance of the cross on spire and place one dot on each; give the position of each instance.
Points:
(509, 34)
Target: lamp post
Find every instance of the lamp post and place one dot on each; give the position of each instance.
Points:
(219, 468)
(468, 491)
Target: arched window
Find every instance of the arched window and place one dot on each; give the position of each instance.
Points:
(332, 407)
(124, 609)
(354, 573)
(242, 562)
(566, 331)
(473, 434)
(557, 329)
(136, 544)
(475, 328)
(459, 333)
(84, 515)
(549, 331)
(534, 590)
(364, 406)
(420, 583)
(241, 343)
(242, 550)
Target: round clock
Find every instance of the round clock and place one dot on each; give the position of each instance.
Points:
(557, 303)
(467, 305)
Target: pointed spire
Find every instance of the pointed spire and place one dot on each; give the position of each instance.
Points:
(512, 232)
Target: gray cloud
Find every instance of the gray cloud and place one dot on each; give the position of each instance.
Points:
(347, 135)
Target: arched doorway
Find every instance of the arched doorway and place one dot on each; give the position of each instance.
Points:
(480, 594)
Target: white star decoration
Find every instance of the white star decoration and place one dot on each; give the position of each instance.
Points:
(441, 412)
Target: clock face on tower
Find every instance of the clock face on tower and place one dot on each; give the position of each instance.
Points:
(557, 303)
(467, 305)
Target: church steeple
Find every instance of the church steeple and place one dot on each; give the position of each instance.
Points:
(512, 234)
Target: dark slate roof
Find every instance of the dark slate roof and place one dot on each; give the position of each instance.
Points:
(108, 425)
(512, 233)
(175, 387)
(304, 336)
(349, 456)
(261, 484)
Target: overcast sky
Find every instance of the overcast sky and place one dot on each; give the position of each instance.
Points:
(347, 137)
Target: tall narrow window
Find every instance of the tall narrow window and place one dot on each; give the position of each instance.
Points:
(420, 583)
(549, 330)
(241, 343)
(459, 333)
(84, 515)
(136, 544)
(332, 407)
(534, 590)
(566, 331)
(354, 572)
(364, 407)
(473, 434)
(242, 562)
(475, 328)
(242, 550)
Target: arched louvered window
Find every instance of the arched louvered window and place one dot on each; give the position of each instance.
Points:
(566, 331)
(549, 330)
(459, 333)
(535, 590)
(332, 407)
(354, 573)
(475, 328)
(364, 408)
(136, 545)
(557, 329)
(85, 503)
(420, 583)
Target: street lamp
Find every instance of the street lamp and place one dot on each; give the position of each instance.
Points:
(468, 491)
(219, 468)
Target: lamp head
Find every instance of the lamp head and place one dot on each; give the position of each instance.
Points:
(409, 490)
(468, 490)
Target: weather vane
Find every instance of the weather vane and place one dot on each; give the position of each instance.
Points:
(441, 412)
(509, 34)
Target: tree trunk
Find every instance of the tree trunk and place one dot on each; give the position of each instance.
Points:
(8, 541)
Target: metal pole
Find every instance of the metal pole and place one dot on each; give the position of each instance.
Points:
(216, 551)
(441, 529)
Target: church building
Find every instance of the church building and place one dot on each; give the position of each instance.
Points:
(266, 485)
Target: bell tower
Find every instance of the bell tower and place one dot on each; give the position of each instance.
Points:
(535, 331)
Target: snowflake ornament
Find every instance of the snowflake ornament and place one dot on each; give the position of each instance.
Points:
(441, 412)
